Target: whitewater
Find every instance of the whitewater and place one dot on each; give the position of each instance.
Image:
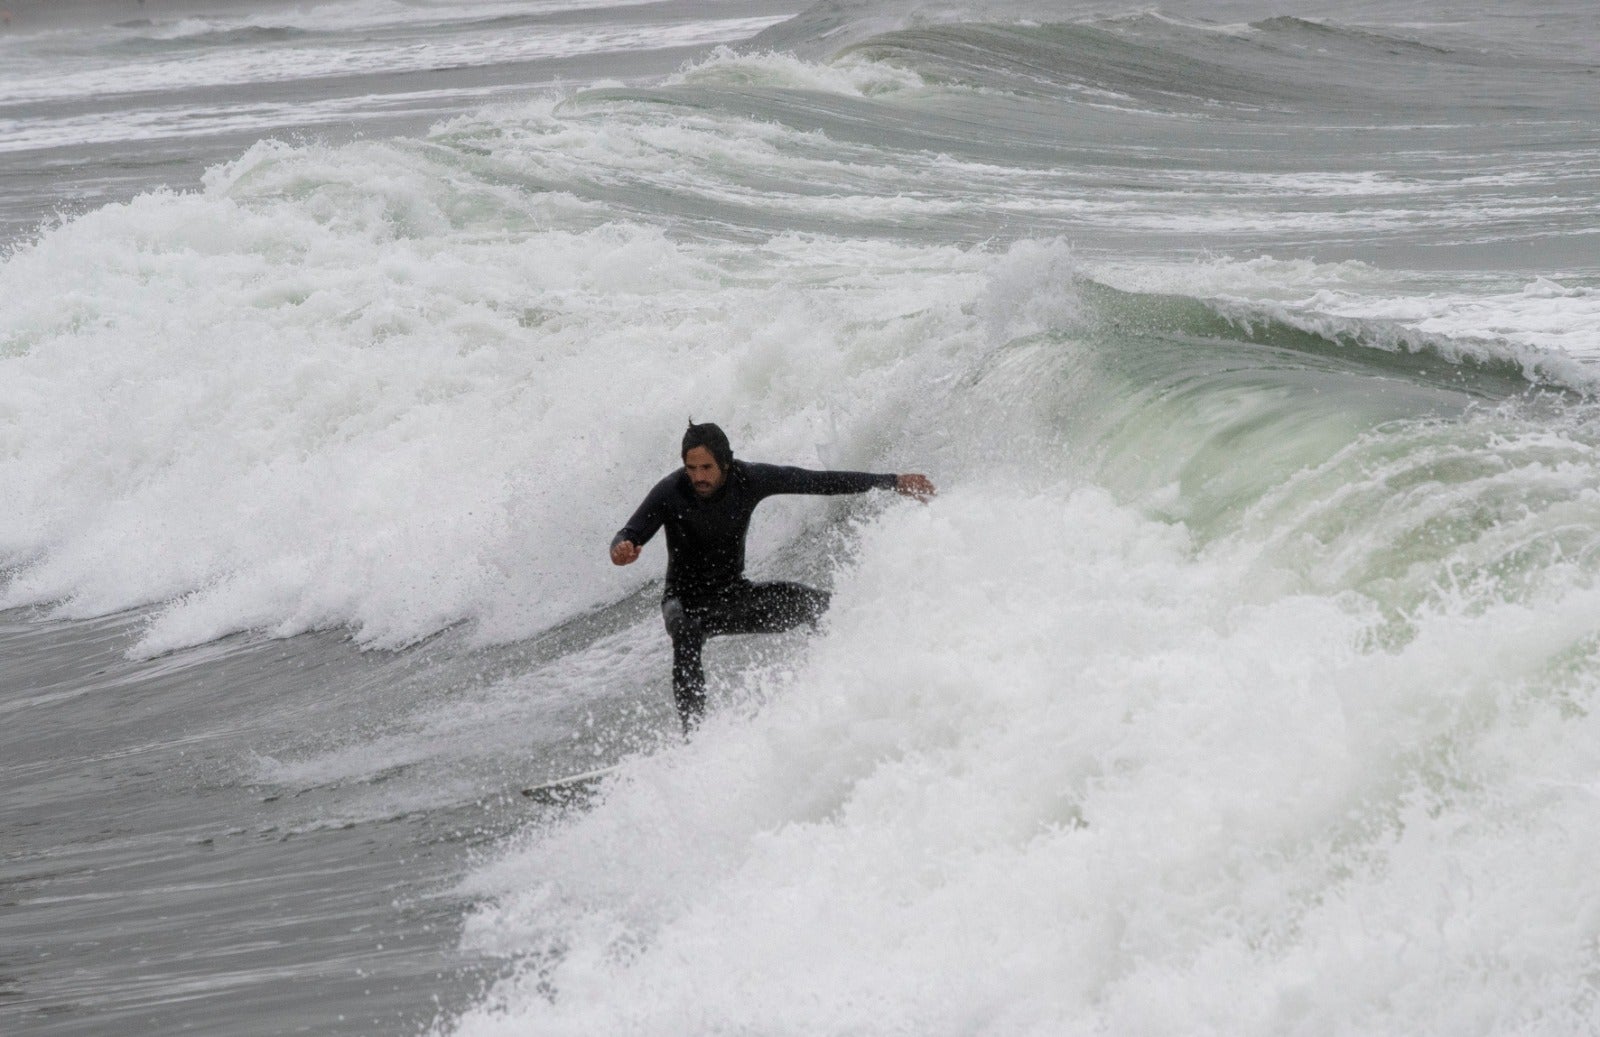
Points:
(1242, 678)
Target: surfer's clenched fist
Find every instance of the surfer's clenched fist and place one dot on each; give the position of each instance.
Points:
(918, 486)
(624, 552)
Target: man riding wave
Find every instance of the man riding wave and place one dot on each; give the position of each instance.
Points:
(706, 507)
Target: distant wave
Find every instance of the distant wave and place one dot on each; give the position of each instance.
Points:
(208, 34)
(1484, 366)
(1283, 62)
(1293, 26)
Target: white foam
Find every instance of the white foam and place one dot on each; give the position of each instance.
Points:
(1544, 312)
(850, 74)
(1048, 770)
(375, 15)
(245, 117)
(1538, 322)
(334, 390)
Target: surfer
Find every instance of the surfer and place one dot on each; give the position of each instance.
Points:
(706, 507)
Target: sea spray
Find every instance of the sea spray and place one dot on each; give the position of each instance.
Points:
(312, 408)
(1093, 766)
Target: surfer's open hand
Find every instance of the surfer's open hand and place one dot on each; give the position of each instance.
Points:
(624, 552)
(917, 486)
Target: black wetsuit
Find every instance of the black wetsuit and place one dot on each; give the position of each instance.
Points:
(706, 592)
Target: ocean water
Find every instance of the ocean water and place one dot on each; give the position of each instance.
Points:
(1242, 679)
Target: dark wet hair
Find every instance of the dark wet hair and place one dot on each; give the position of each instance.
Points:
(712, 438)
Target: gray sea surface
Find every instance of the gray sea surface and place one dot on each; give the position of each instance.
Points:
(1252, 344)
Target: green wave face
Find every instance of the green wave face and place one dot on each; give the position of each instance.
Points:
(1328, 456)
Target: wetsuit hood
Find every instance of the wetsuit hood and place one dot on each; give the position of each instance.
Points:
(711, 437)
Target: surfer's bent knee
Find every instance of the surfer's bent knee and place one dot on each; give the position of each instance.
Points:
(677, 619)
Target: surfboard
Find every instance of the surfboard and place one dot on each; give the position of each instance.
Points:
(565, 790)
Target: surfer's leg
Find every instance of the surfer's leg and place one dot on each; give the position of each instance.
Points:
(767, 608)
(688, 676)
(753, 608)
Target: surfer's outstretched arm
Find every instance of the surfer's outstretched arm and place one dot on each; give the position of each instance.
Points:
(767, 479)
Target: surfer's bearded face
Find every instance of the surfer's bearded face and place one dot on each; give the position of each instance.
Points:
(705, 475)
